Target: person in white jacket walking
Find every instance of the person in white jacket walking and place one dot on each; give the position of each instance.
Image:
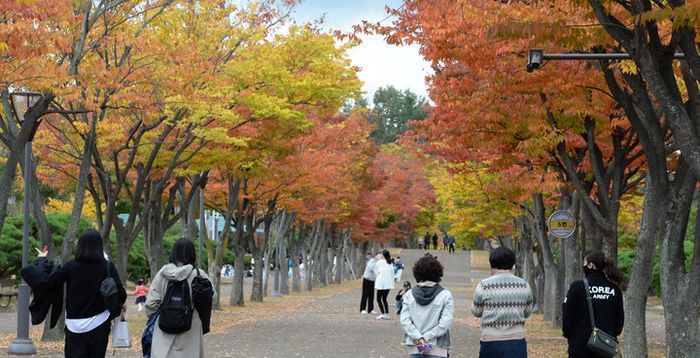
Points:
(427, 312)
(384, 282)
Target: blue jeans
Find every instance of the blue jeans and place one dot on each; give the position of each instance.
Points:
(515, 348)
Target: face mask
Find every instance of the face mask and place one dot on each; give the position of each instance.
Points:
(588, 271)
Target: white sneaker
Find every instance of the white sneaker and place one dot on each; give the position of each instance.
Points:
(372, 312)
(387, 317)
(380, 317)
(363, 312)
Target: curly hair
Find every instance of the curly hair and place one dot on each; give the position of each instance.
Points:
(428, 268)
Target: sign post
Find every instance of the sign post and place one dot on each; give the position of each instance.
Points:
(561, 224)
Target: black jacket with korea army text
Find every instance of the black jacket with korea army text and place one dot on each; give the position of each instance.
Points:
(607, 307)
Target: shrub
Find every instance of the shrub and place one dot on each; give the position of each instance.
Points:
(11, 239)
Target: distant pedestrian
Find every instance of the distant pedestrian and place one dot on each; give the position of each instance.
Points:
(503, 301)
(426, 241)
(435, 241)
(140, 292)
(88, 315)
(602, 276)
(399, 297)
(451, 244)
(398, 264)
(384, 282)
(427, 312)
(189, 343)
(368, 278)
(445, 240)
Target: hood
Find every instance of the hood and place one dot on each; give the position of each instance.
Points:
(426, 294)
(176, 273)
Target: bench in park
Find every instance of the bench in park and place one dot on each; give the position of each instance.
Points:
(7, 291)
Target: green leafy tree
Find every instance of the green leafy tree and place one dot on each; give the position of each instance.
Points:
(393, 110)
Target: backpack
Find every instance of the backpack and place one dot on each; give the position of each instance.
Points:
(110, 294)
(176, 308)
(202, 294)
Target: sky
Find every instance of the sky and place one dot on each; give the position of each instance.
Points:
(381, 64)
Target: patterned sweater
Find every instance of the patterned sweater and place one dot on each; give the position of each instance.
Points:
(503, 301)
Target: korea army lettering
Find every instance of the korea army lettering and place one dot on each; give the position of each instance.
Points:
(601, 292)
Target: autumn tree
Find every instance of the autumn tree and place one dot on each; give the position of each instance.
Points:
(550, 128)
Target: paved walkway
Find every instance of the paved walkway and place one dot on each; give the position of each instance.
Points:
(333, 327)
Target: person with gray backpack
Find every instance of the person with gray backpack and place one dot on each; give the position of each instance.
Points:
(177, 314)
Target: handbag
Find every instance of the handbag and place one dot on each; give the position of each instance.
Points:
(110, 294)
(120, 333)
(600, 342)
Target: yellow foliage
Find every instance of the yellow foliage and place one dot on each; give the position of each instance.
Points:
(630, 215)
(467, 204)
(59, 206)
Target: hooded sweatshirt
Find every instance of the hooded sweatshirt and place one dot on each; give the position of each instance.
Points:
(189, 344)
(427, 313)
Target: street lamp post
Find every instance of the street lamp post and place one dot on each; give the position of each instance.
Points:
(202, 225)
(22, 344)
(536, 56)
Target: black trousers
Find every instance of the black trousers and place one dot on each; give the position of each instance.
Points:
(452, 248)
(381, 301)
(367, 295)
(91, 344)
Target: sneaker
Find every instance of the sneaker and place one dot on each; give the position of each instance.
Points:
(380, 317)
(363, 312)
(387, 317)
(372, 312)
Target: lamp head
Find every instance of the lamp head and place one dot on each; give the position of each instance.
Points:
(22, 101)
(534, 59)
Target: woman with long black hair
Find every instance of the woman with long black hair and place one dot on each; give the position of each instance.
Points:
(87, 317)
(384, 282)
(603, 278)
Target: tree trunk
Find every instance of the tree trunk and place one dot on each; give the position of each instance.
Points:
(16, 151)
(681, 287)
(570, 251)
(340, 259)
(553, 291)
(310, 258)
(79, 199)
(236, 298)
(653, 218)
(121, 259)
(284, 268)
(37, 207)
(295, 248)
(256, 294)
(296, 272)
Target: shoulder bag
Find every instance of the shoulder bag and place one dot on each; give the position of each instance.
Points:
(600, 342)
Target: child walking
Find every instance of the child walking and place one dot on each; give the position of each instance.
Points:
(140, 292)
